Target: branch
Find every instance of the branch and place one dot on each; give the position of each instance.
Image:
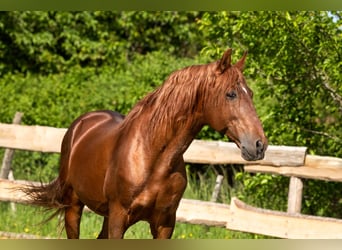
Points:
(337, 98)
(322, 133)
(333, 93)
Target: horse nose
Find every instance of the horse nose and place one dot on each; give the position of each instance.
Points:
(259, 147)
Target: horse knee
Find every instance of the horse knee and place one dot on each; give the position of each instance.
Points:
(162, 226)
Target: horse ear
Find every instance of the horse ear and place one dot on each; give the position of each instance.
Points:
(241, 63)
(225, 61)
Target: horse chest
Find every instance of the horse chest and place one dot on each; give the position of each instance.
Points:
(162, 196)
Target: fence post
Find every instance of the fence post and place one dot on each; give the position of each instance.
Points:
(8, 156)
(218, 184)
(5, 171)
(294, 203)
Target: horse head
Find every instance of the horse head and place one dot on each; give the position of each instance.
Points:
(232, 112)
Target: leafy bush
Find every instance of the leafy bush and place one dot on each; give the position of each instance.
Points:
(56, 100)
(294, 60)
(55, 41)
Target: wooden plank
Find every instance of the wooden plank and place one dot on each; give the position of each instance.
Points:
(48, 139)
(279, 224)
(317, 161)
(316, 167)
(202, 213)
(10, 190)
(218, 152)
(10, 235)
(34, 138)
(294, 200)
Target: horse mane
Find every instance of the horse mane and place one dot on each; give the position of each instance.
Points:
(175, 100)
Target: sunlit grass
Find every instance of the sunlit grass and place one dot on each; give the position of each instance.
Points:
(28, 220)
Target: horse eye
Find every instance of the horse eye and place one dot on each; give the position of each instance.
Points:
(231, 95)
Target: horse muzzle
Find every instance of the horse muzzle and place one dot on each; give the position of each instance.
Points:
(253, 151)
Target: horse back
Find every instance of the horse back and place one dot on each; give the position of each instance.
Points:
(89, 121)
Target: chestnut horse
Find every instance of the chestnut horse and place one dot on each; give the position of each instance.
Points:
(131, 169)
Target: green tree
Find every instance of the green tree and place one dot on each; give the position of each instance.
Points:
(51, 42)
(295, 62)
(295, 59)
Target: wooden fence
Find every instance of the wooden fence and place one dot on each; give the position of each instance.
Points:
(283, 160)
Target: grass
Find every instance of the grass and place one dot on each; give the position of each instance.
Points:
(28, 219)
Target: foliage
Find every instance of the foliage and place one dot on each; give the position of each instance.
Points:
(52, 42)
(295, 63)
(56, 100)
(295, 59)
(263, 190)
(322, 198)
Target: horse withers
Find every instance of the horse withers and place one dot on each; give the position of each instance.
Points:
(131, 169)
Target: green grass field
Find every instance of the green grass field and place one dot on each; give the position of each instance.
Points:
(28, 220)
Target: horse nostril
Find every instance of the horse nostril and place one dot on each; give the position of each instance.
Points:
(259, 145)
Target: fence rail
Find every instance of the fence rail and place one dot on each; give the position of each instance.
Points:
(49, 139)
(283, 160)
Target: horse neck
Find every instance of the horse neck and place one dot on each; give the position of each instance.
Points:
(181, 135)
(177, 114)
(176, 135)
(173, 133)
(172, 115)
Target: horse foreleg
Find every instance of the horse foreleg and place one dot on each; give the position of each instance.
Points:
(162, 225)
(117, 221)
(104, 231)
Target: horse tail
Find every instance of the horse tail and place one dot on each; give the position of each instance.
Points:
(49, 196)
